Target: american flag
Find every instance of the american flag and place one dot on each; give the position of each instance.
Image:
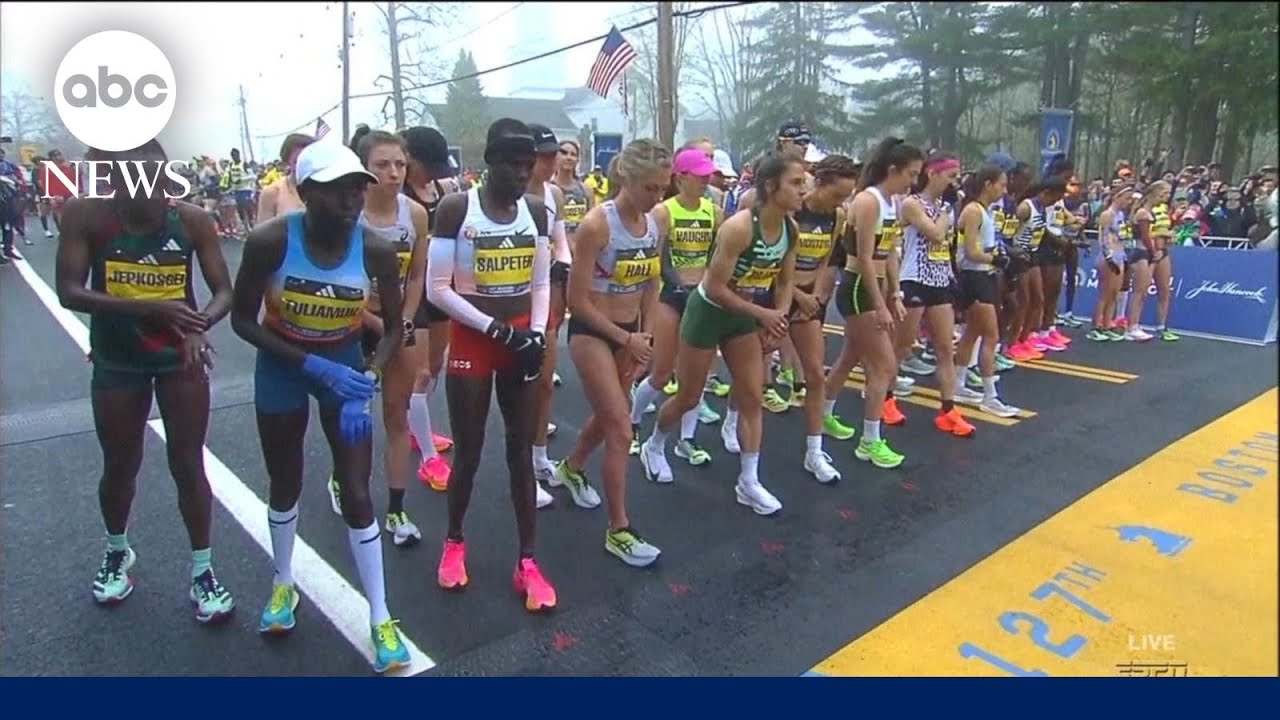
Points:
(615, 55)
(322, 128)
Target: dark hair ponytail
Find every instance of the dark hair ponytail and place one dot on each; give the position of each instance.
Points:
(770, 168)
(922, 180)
(1049, 184)
(891, 153)
(973, 186)
(357, 135)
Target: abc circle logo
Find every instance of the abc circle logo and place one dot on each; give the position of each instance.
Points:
(115, 90)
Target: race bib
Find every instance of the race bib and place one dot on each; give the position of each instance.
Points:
(888, 240)
(759, 279)
(404, 258)
(574, 211)
(632, 271)
(940, 251)
(814, 246)
(319, 310)
(690, 243)
(1036, 237)
(156, 276)
(504, 264)
(1011, 225)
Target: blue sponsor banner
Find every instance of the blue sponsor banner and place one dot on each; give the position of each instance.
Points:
(1055, 134)
(608, 145)
(1227, 294)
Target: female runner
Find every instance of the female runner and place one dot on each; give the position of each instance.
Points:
(753, 259)
(1162, 264)
(490, 271)
(1138, 258)
(1033, 217)
(870, 240)
(146, 337)
(1113, 233)
(314, 270)
(612, 283)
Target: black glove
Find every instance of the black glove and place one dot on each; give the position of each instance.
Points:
(529, 347)
(1000, 259)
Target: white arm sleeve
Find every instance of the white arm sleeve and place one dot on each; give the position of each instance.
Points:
(560, 243)
(540, 289)
(440, 291)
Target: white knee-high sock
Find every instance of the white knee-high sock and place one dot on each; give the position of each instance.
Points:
(283, 525)
(366, 550)
(420, 424)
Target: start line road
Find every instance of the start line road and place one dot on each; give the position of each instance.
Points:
(733, 593)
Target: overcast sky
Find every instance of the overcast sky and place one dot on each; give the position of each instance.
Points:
(286, 56)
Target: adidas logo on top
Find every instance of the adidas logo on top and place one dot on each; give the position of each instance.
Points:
(172, 245)
(149, 260)
(506, 244)
(327, 291)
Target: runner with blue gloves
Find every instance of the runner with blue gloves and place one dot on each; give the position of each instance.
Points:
(313, 269)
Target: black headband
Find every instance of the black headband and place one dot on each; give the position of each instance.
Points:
(508, 145)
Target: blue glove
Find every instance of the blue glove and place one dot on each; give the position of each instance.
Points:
(355, 425)
(347, 383)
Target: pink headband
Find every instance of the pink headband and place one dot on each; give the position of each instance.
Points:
(943, 165)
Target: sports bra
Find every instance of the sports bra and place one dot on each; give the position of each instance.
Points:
(888, 233)
(493, 259)
(627, 263)
(817, 234)
(311, 304)
(400, 233)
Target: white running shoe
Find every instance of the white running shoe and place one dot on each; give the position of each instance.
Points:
(654, 461)
(755, 496)
(995, 406)
(819, 465)
(729, 435)
(544, 498)
(968, 396)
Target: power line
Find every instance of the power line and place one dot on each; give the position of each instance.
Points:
(384, 93)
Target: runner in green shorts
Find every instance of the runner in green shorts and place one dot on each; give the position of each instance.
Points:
(147, 338)
(752, 260)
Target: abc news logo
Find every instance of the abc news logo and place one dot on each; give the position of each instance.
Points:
(115, 91)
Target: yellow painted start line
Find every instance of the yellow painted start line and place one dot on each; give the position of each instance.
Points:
(1084, 372)
(1168, 570)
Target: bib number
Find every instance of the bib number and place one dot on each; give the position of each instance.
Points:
(139, 281)
(504, 265)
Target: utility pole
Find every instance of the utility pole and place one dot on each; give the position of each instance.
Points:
(244, 126)
(396, 93)
(346, 72)
(666, 75)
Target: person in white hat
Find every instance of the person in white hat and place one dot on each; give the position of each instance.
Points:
(312, 270)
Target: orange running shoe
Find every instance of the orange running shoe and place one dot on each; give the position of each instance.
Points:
(452, 574)
(1058, 337)
(528, 580)
(891, 415)
(434, 473)
(953, 422)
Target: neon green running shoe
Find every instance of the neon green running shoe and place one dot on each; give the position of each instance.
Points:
(1167, 335)
(717, 387)
(878, 453)
(389, 650)
(834, 427)
(278, 616)
(773, 402)
(672, 387)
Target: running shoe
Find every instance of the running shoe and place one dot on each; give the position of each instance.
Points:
(1058, 337)
(1115, 334)
(878, 453)
(1137, 334)
(891, 415)
(904, 386)
(917, 366)
(112, 584)
(402, 530)
(551, 429)
(754, 495)
(556, 381)
(388, 647)
(693, 453)
(773, 402)
(953, 423)
(543, 470)
(279, 615)
(630, 547)
(434, 472)
(995, 406)
(1122, 323)
(654, 461)
(967, 396)
(452, 573)
(672, 387)
(543, 498)
(213, 602)
(441, 443)
(1044, 341)
(706, 415)
(528, 581)
(834, 427)
(1098, 335)
(785, 377)
(635, 440)
(819, 465)
(1167, 335)
(583, 494)
(717, 387)
(797, 397)
(1004, 363)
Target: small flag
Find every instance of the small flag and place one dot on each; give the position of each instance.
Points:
(615, 55)
(322, 128)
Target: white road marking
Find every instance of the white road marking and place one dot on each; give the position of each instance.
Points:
(340, 602)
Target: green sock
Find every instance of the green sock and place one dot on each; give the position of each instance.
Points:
(201, 560)
(118, 542)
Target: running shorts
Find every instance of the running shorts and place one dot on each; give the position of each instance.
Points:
(853, 297)
(1137, 254)
(706, 325)
(579, 327)
(1049, 254)
(428, 315)
(919, 295)
(473, 354)
(281, 388)
(795, 309)
(105, 378)
(977, 286)
(676, 297)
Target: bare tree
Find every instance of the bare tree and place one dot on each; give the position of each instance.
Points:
(32, 120)
(723, 71)
(414, 61)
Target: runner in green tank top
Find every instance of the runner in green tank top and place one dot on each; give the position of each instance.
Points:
(741, 306)
(147, 337)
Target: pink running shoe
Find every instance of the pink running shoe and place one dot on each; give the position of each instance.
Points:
(1058, 337)
(528, 580)
(452, 574)
(434, 473)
